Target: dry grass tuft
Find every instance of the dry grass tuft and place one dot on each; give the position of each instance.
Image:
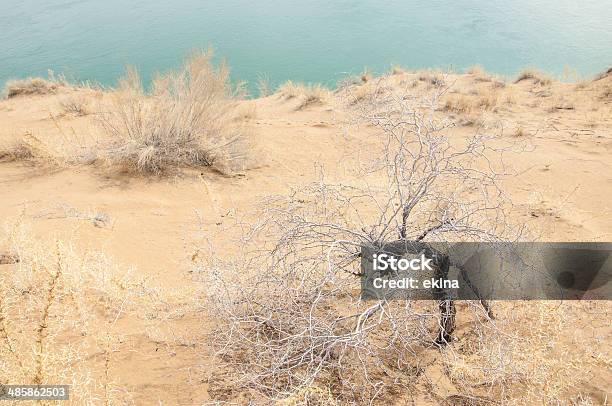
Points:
(263, 85)
(433, 78)
(606, 93)
(188, 119)
(519, 132)
(313, 95)
(397, 70)
(289, 90)
(54, 304)
(479, 73)
(487, 99)
(534, 75)
(309, 95)
(16, 151)
(75, 105)
(30, 86)
(465, 104)
(459, 103)
(28, 148)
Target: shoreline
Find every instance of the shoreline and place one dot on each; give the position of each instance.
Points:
(569, 76)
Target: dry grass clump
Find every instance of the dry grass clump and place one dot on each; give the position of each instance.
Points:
(308, 94)
(434, 78)
(397, 70)
(371, 93)
(54, 305)
(347, 82)
(75, 105)
(465, 104)
(459, 103)
(30, 86)
(289, 90)
(519, 132)
(188, 119)
(313, 95)
(606, 93)
(534, 75)
(531, 363)
(27, 148)
(487, 99)
(16, 151)
(479, 73)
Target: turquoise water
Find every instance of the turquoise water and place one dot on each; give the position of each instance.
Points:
(302, 40)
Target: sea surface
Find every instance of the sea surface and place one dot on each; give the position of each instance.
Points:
(303, 40)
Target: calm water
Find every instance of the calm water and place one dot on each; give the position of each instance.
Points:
(303, 40)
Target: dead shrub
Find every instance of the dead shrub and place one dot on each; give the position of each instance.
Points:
(30, 86)
(188, 119)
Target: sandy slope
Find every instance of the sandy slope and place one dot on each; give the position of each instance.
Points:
(563, 191)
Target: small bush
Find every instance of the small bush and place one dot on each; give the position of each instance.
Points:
(30, 86)
(188, 119)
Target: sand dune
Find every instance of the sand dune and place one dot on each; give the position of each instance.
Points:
(562, 192)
